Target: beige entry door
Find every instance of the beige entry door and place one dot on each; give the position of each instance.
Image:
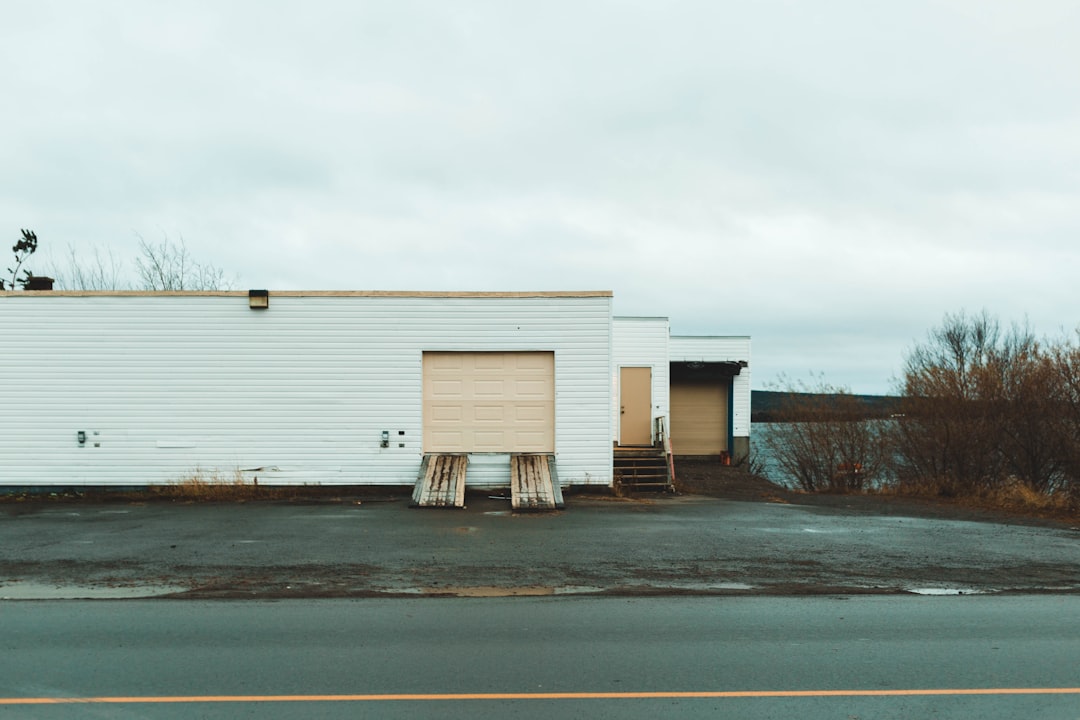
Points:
(635, 406)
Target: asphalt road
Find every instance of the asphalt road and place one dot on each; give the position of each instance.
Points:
(865, 657)
(668, 546)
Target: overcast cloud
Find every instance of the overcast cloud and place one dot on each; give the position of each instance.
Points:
(829, 177)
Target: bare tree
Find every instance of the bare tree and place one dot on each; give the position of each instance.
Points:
(101, 271)
(169, 266)
(162, 266)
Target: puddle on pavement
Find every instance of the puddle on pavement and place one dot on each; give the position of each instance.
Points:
(800, 530)
(707, 587)
(52, 591)
(492, 591)
(947, 591)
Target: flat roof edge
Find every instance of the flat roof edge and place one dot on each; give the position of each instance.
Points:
(315, 293)
(710, 337)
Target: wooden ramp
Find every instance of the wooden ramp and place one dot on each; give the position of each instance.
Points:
(534, 486)
(441, 482)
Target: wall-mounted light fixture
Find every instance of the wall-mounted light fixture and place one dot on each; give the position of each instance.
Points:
(258, 299)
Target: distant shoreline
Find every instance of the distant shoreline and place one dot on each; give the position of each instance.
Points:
(769, 405)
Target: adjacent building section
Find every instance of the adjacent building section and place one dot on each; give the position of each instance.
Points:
(693, 391)
(710, 396)
(639, 352)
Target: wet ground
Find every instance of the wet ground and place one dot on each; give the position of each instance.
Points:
(380, 547)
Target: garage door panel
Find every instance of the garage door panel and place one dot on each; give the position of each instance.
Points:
(489, 361)
(489, 389)
(444, 361)
(446, 413)
(531, 389)
(505, 402)
(699, 418)
(531, 413)
(533, 361)
(530, 441)
(489, 413)
(443, 439)
(489, 440)
(452, 389)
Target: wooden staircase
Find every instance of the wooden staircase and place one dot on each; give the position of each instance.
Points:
(646, 469)
(642, 470)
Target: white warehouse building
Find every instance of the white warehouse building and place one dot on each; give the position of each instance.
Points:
(131, 389)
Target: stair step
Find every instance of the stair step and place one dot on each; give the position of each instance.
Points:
(642, 469)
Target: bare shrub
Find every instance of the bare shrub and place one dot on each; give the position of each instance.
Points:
(985, 409)
(1024, 396)
(945, 437)
(1064, 363)
(824, 439)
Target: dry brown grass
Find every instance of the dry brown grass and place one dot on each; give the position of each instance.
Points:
(1012, 497)
(212, 486)
(1017, 496)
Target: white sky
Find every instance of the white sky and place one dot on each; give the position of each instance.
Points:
(829, 177)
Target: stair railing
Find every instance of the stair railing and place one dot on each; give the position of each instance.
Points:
(665, 438)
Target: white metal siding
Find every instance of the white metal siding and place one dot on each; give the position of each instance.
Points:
(170, 385)
(735, 348)
(641, 342)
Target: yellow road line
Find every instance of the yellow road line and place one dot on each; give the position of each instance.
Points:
(660, 695)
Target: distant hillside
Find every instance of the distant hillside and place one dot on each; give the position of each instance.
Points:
(765, 404)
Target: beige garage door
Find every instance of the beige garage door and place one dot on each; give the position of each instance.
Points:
(699, 417)
(489, 402)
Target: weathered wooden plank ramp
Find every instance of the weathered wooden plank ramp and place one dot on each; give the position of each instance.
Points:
(441, 482)
(534, 486)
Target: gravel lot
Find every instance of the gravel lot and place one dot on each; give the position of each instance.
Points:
(763, 543)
